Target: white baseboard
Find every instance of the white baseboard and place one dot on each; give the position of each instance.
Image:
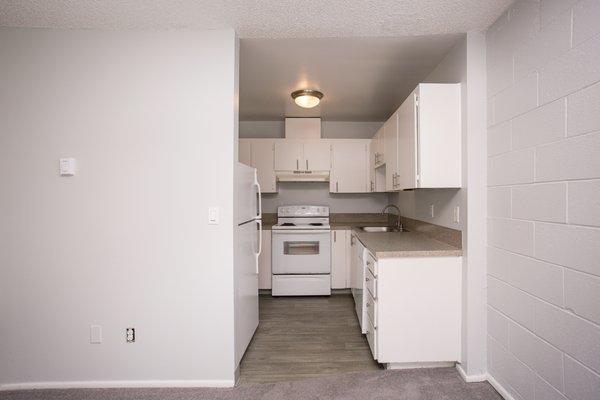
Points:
(117, 384)
(470, 378)
(499, 388)
(414, 365)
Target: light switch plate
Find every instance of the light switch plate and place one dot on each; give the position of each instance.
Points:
(95, 334)
(213, 215)
(431, 210)
(457, 214)
(67, 166)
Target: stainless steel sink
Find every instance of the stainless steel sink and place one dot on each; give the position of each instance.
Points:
(381, 229)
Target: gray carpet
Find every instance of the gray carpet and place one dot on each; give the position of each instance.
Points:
(416, 384)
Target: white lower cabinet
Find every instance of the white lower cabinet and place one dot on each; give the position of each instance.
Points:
(264, 261)
(418, 310)
(412, 309)
(339, 260)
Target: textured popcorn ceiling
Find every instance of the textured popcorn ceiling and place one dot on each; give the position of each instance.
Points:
(261, 19)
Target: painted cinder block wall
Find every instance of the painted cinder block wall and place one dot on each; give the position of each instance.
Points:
(543, 64)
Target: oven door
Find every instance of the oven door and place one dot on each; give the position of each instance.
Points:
(301, 252)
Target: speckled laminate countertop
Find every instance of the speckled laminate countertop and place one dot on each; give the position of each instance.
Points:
(422, 239)
(405, 244)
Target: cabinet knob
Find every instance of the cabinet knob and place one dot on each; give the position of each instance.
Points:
(368, 304)
(367, 279)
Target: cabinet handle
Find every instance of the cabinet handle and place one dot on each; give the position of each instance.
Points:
(337, 189)
(367, 279)
(307, 165)
(335, 236)
(297, 164)
(368, 304)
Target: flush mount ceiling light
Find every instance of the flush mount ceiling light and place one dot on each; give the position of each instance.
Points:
(307, 98)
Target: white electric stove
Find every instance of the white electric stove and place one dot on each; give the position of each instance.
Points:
(301, 259)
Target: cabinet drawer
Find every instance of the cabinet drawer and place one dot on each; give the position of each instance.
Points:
(371, 264)
(371, 306)
(372, 338)
(371, 283)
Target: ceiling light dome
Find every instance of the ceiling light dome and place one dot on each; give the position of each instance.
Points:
(307, 98)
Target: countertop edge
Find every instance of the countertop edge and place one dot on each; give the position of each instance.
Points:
(382, 255)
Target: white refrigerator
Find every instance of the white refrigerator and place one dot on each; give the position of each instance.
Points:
(246, 252)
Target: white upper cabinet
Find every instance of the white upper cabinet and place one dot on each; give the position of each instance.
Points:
(372, 158)
(245, 152)
(349, 166)
(429, 149)
(288, 155)
(263, 152)
(407, 144)
(378, 148)
(317, 156)
(390, 134)
(296, 155)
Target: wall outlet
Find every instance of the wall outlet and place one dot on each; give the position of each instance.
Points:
(431, 210)
(130, 335)
(457, 214)
(95, 334)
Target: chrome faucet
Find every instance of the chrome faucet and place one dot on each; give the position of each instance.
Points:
(399, 219)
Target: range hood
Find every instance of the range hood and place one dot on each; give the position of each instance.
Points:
(302, 176)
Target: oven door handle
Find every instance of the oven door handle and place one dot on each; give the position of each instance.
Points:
(296, 231)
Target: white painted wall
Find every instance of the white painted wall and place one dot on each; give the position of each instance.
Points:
(465, 63)
(124, 243)
(544, 213)
(329, 129)
(317, 193)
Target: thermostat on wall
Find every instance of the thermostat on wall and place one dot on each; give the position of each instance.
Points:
(67, 166)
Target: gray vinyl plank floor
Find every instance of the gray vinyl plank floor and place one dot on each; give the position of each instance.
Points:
(305, 337)
(304, 348)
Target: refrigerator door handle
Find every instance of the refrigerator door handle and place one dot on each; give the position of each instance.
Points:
(259, 222)
(259, 215)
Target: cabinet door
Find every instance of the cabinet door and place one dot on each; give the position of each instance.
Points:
(317, 156)
(390, 134)
(338, 259)
(379, 147)
(407, 144)
(288, 155)
(372, 163)
(439, 135)
(349, 167)
(244, 152)
(262, 160)
(264, 261)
